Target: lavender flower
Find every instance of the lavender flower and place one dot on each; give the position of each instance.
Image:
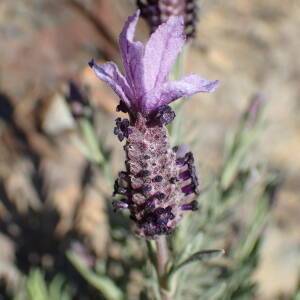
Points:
(157, 12)
(159, 182)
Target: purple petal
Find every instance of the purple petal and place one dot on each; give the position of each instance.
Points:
(132, 54)
(110, 74)
(161, 51)
(172, 90)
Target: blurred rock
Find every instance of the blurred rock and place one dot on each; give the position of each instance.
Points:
(57, 117)
(92, 222)
(8, 271)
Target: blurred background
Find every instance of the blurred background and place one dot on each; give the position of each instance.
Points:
(50, 195)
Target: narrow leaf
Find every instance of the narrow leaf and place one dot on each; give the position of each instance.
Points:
(215, 292)
(36, 285)
(199, 256)
(101, 282)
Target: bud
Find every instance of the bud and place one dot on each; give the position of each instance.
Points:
(157, 12)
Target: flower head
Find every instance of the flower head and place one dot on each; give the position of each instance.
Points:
(145, 87)
(160, 182)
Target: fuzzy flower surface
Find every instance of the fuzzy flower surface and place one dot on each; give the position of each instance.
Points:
(160, 182)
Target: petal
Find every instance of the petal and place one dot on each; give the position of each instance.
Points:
(132, 54)
(161, 51)
(172, 90)
(110, 74)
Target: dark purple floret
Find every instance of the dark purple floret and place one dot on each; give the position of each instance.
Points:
(189, 189)
(149, 206)
(123, 175)
(157, 178)
(119, 204)
(163, 215)
(164, 116)
(187, 159)
(143, 173)
(122, 107)
(122, 129)
(147, 188)
(173, 180)
(185, 175)
(150, 11)
(190, 206)
(160, 196)
(119, 189)
(189, 173)
(182, 159)
(156, 222)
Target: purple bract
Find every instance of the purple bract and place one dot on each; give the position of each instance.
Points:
(145, 87)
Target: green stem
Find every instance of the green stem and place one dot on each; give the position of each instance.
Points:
(162, 255)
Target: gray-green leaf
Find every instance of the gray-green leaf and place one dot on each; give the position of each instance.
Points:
(199, 256)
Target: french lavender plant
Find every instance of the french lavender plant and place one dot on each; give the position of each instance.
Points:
(160, 182)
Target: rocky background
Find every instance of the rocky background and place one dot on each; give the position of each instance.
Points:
(250, 46)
